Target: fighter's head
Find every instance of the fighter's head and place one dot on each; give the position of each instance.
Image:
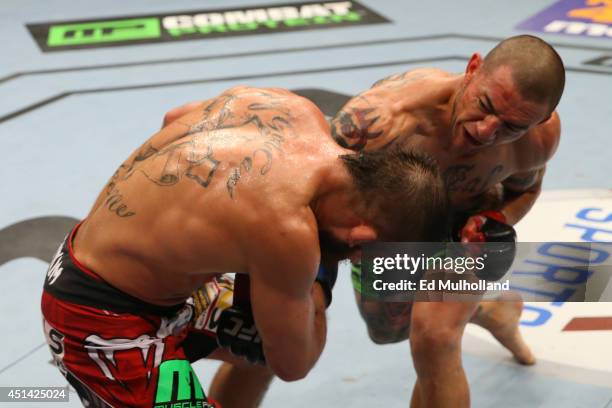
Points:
(393, 195)
(516, 87)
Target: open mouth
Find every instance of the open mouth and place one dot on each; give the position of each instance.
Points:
(471, 138)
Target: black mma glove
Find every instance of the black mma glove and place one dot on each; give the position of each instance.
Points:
(237, 332)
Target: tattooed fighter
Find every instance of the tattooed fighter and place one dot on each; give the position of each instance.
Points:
(491, 129)
(249, 182)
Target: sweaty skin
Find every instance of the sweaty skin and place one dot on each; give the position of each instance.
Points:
(230, 186)
(418, 105)
(492, 146)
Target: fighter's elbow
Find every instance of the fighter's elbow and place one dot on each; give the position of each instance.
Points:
(290, 372)
(293, 375)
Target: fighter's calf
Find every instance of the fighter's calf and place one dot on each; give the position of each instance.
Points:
(435, 333)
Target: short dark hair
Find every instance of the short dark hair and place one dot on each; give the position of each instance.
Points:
(403, 194)
(537, 69)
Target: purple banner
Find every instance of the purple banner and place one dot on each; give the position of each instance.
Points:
(589, 18)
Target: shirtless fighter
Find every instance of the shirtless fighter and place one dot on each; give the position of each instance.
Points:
(492, 128)
(249, 182)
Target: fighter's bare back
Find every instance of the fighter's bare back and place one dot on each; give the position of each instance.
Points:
(191, 201)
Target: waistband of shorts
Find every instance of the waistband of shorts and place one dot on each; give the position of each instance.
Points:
(79, 285)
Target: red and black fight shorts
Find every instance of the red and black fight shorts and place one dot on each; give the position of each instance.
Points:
(118, 351)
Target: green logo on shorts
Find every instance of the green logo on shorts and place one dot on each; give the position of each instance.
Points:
(179, 387)
(103, 31)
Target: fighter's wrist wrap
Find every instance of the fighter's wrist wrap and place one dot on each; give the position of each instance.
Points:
(496, 215)
(327, 279)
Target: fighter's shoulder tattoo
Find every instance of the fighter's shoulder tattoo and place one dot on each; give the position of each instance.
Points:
(190, 156)
(355, 125)
(359, 120)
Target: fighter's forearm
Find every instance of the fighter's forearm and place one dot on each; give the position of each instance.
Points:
(520, 193)
(292, 334)
(517, 206)
(320, 320)
(318, 329)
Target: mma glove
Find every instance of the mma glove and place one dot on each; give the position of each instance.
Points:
(479, 227)
(236, 330)
(237, 333)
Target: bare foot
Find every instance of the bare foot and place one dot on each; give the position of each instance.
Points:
(501, 318)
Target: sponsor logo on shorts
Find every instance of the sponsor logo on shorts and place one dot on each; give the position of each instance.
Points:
(55, 267)
(189, 25)
(55, 341)
(178, 387)
(589, 18)
(102, 350)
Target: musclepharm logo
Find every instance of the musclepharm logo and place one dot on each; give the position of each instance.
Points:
(591, 18)
(201, 24)
(103, 31)
(178, 378)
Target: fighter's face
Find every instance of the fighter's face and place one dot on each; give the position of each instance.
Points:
(489, 110)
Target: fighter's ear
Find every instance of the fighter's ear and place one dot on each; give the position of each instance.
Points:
(473, 65)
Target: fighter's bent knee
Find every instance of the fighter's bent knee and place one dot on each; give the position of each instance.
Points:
(431, 338)
(386, 336)
(387, 322)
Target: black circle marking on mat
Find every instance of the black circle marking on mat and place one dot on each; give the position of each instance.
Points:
(36, 238)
